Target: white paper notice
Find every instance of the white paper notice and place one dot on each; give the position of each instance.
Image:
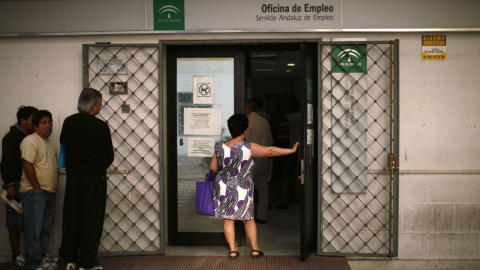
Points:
(201, 147)
(203, 90)
(310, 136)
(202, 121)
(309, 113)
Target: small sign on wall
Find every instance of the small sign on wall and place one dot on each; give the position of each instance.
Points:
(434, 47)
(169, 14)
(112, 65)
(349, 58)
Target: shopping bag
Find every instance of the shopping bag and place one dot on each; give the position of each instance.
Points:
(204, 200)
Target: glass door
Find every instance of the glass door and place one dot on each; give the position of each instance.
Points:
(202, 84)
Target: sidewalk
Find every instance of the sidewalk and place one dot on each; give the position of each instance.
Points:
(216, 262)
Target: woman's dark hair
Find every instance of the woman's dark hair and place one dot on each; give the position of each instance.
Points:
(39, 115)
(24, 113)
(87, 99)
(237, 124)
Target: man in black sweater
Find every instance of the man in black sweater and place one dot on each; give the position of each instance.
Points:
(88, 153)
(11, 169)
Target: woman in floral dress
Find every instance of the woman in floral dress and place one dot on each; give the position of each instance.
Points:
(233, 190)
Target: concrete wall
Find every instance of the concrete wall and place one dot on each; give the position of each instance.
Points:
(439, 133)
(439, 158)
(439, 139)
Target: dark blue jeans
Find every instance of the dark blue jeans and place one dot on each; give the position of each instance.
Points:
(38, 213)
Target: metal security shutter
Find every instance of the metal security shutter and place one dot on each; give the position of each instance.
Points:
(128, 76)
(359, 126)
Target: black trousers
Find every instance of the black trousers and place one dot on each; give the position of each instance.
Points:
(83, 216)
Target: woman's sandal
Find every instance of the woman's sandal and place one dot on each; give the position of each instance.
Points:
(259, 255)
(233, 257)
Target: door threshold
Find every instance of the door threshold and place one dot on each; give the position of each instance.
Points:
(222, 251)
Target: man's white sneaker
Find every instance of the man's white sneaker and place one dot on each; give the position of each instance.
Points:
(96, 267)
(18, 262)
(71, 266)
(49, 262)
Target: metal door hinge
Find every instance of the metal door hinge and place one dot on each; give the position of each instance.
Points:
(392, 163)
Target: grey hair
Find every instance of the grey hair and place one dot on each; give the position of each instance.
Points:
(87, 99)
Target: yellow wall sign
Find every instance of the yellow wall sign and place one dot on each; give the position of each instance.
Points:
(434, 47)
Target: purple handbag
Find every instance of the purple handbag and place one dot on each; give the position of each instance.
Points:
(204, 200)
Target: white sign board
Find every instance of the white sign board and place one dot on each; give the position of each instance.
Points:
(202, 121)
(254, 14)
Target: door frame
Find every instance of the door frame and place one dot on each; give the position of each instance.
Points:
(169, 175)
(308, 152)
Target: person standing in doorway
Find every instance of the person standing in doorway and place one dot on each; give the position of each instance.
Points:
(280, 128)
(259, 132)
(11, 169)
(294, 118)
(38, 190)
(88, 154)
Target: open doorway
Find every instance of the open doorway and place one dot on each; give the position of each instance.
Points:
(273, 84)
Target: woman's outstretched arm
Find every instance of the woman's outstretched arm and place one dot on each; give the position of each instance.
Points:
(271, 151)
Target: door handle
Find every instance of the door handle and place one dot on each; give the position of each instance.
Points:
(302, 171)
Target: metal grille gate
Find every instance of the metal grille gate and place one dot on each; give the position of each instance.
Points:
(359, 134)
(128, 78)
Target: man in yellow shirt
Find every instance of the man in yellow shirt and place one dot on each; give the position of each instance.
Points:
(38, 187)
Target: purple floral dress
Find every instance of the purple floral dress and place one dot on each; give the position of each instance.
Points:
(233, 189)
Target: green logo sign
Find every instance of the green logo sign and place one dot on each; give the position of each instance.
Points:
(168, 15)
(349, 58)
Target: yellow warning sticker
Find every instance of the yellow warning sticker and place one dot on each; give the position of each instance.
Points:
(434, 47)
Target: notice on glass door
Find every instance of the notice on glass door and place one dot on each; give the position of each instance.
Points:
(201, 147)
(202, 121)
(203, 90)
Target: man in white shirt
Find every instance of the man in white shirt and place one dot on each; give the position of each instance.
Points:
(259, 132)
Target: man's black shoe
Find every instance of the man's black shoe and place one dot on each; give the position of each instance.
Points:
(261, 221)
